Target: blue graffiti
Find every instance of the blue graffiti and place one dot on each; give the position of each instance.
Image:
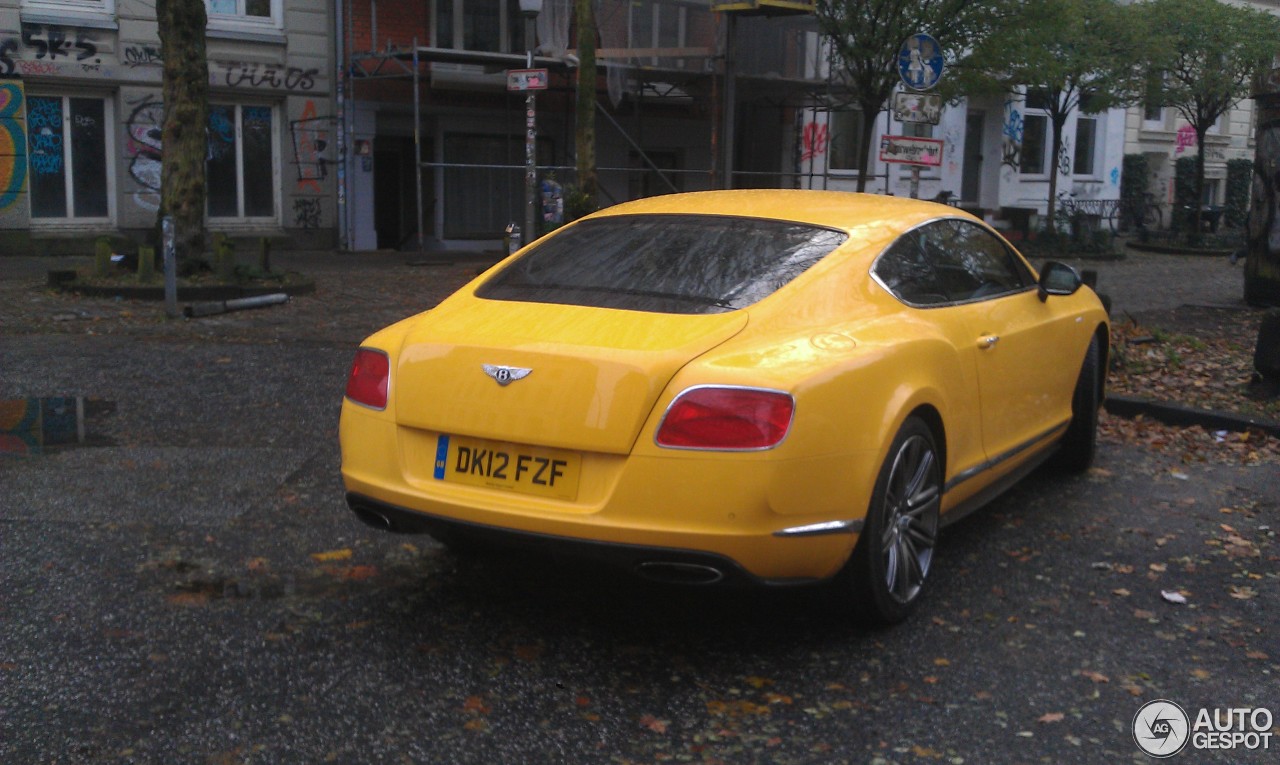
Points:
(222, 132)
(44, 132)
(1115, 176)
(1013, 126)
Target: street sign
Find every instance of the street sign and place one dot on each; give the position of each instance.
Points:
(920, 62)
(917, 107)
(526, 79)
(906, 150)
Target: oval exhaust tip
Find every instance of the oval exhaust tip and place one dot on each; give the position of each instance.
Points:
(670, 572)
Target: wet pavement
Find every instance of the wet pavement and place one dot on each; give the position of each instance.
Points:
(188, 586)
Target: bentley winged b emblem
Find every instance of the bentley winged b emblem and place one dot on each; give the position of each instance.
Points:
(505, 375)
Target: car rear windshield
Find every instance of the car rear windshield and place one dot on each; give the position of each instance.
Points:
(664, 263)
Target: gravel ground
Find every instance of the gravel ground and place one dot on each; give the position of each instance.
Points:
(191, 589)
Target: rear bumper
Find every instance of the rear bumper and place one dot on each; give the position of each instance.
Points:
(663, 564)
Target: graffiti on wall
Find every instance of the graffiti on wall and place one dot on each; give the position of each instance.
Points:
(145, 126)
(46, 49)
(13, 143)
(251, 74)
(44, 135)
(306, 212)
(1011, 135)
(141, 55)
(53, 42)
(310, 141)
(1186, 139)
(816, 136)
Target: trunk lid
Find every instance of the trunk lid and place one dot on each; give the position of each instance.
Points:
(595, 373)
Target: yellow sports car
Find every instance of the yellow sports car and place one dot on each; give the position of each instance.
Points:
(772, 386)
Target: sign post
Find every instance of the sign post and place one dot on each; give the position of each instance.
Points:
(920, 65)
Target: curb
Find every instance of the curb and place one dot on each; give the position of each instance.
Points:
(196, 293)
(1181, 416)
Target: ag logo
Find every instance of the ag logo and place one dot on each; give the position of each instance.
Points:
(505, 375)
(1161, 728)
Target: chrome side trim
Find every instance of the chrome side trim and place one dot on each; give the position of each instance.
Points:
(963, 476)
(820, 529)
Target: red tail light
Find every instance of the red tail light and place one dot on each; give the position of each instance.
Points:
(369, 379)
(727, 418)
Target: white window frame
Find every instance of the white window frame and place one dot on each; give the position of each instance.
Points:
(1153, 124)
(73, 7)
(239, 22)
(240, 219)
(841, 115)
(70, 220)
(657, 9)
(1097, 121)
(1047, 164)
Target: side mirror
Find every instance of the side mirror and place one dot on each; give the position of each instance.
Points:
(1058, 279)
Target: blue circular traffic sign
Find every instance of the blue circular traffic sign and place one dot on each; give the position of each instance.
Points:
(920, 62)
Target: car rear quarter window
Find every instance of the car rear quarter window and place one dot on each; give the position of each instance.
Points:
(950, 261)
(685, 264)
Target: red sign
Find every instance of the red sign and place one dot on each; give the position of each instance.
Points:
(906, 150)
(526, 79)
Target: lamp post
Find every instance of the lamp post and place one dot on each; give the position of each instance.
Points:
(530, 10)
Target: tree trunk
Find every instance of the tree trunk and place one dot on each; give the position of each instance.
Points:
(869, 117)
(1197, 204)
(186, 116)
(585, 132)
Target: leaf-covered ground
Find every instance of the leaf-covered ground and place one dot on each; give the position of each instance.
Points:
(1195, 357)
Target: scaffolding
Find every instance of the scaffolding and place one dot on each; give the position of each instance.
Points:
(656, 74)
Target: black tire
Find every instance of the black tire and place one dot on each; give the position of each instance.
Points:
(1079, 444)
(890, 564)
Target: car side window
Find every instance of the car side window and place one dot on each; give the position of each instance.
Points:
(971, 262)
(905, 270)
(950, 261)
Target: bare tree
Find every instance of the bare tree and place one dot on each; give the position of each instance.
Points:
(186, 116)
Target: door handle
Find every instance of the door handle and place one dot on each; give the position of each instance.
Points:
(988, 342)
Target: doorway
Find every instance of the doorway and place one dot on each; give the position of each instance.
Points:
(975, 124)
(395, 205)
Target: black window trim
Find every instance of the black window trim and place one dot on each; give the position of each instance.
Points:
(950, 303)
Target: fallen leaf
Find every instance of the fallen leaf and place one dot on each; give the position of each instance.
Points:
(1096, 677)
(1174, 597)
(475, 704)
(654, 724)
(1051, 717)
(332, 555)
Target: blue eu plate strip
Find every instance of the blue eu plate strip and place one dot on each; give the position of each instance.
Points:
(442, 456)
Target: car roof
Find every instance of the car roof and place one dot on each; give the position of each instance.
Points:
(842, 210)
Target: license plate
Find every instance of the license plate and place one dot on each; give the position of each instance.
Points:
(527, 469)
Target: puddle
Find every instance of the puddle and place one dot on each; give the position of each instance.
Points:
(37, 425)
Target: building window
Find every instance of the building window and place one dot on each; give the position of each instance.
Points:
(80, 8)
(1086, 146)
(491, 26)
(1153, 114)
(241, 168)
(1035, 144)
(657, 25)
(246, 15)
(846, 141)
(67, 153)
